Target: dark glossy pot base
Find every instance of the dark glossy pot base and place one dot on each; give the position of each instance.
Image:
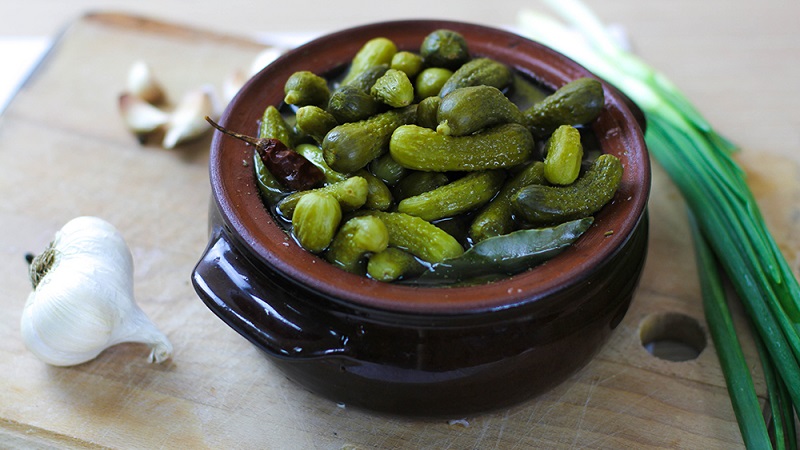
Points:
(358, 360)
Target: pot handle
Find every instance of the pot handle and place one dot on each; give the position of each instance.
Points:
(268, 314)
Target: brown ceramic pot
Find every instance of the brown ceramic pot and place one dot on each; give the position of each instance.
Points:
(428, 351)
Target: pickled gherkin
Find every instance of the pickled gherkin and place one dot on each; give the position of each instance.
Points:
(540, 204)
(421, 148)
(564, 153)
(357, 237)
(576, 103)
(315, 220)
(465, 194)
(436, 166)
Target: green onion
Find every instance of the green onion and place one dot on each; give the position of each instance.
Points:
(737, 375)
(699, 162)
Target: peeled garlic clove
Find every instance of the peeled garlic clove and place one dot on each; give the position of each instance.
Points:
(188, 121)
(265, 58)
(139, 116)
(82, 300)
(232, 84)
(144, 85)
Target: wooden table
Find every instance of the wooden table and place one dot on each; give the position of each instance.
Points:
(64, 152)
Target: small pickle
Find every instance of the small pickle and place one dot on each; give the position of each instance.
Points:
(430, 81)
(313, 153)
(394, 89)
(350, 193)
(270, 188)
(353, 102)
(387, 169)
(274, 126)
(418, 236)
(479, 71)
(393, 264)
(444, 48)
(576, 103)
(564, 154)
(374, 52)
(351, 146)
(315, 122)
(418, 182)
(427, 109)
(357, 237)
(497, 217)
(378, 194)
(539, 204)
(421, 148)
(469, 109)
(464, 194)
(306, 88)
(315, 220)
(409, 62)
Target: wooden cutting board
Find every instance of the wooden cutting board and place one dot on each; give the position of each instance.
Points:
(64, 152)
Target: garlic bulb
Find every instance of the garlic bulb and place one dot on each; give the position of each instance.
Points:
(82, 300)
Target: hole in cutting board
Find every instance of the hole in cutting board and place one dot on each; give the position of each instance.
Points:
(672, 336)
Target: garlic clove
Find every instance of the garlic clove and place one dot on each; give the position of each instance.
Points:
(265, 58)
(82, 300)
(232, 84)
(188, 122)
(144, 85)
(141, 117)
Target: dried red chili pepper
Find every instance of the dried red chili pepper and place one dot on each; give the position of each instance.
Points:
(290, 168)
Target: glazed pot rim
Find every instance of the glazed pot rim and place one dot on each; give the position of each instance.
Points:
(250, 224)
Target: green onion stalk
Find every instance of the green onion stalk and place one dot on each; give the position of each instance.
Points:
(700, 163)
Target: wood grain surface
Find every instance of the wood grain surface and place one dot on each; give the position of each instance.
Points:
(64, 152)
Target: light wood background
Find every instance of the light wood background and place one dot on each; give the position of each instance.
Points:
(64, 152)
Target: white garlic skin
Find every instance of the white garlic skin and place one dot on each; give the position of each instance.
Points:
(84, 303)
(188, 120)
(143, 84)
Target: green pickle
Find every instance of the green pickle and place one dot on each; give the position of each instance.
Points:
(393, 264)
(375, 52)
(274, 126)
(469, 109)
(576, 103)
(351, 146)
(479, 71)
(547, 204)
(465, 194)
(357, 237)
(418, 182)
(564, 154)
(427, 111)
(444, 48)
(351, 194)
(408, 62)
(420, 148)
(497, 217)
(430, 81)
(439, 167)
(306, 88)
(394, 89)
(315, 220)
(418, 236)
(314, 154)
(315, 122)
(387, 169)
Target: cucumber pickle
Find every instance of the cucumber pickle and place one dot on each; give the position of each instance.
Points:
(429, 151)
